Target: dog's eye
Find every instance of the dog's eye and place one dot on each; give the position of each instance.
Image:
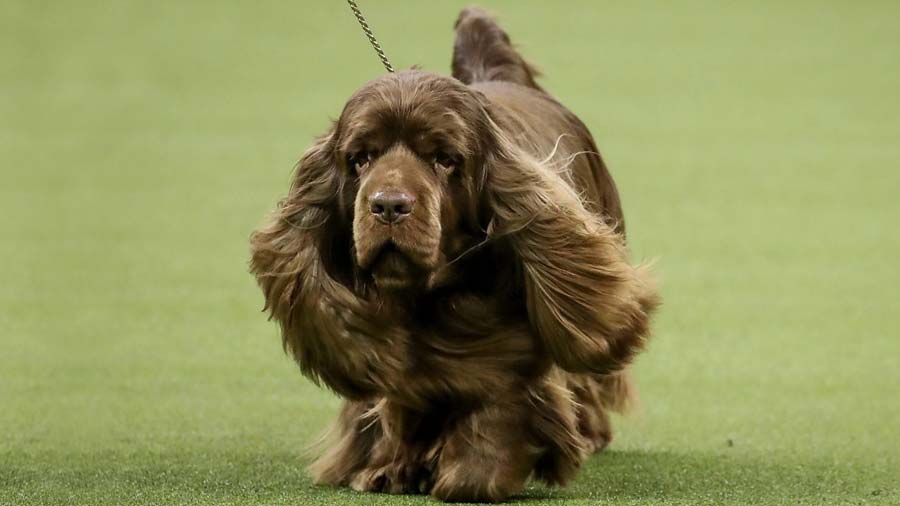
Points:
(445, 162)
(360, 160)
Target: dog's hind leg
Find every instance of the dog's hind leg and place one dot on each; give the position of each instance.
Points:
(554, 419)
(483, 52)
(597, 395)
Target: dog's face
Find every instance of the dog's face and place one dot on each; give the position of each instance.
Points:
(410, 148)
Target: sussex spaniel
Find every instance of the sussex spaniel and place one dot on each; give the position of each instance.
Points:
(450, 260)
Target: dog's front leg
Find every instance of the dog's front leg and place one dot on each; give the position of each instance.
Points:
(395, 464)
(485, 456)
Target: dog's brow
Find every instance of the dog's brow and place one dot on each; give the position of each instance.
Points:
(358, 139)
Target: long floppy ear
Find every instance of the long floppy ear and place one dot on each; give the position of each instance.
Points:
(335, 336)
(589, 306)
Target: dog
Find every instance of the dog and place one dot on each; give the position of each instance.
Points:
(450, 260)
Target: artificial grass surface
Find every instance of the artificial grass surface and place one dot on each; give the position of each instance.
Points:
(755, 146)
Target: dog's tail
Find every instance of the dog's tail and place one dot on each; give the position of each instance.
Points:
(482, 52)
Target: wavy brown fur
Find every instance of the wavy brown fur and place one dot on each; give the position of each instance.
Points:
(451, 260)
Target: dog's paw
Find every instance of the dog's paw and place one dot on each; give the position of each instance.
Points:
(373, 480)
(393, 479)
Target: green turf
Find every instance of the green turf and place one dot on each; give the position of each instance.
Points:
(757, 149)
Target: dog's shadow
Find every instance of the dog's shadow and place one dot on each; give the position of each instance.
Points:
(636, 477)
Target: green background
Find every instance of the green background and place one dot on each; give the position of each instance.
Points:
(756, 146)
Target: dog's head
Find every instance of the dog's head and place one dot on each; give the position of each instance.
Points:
(418, 171)
(405, 160)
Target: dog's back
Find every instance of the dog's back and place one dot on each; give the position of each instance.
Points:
(485, 59)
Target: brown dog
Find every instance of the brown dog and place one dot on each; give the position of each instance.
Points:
(450, 259)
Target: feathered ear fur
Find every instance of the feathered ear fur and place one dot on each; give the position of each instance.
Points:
(334, 335)
(589, 306)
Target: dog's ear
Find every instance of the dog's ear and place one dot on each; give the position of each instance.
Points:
(588, 305)
(333, 334)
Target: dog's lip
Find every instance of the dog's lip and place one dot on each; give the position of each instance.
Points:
(389, 247)
(366, 257)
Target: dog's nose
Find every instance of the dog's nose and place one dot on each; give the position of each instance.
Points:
(391, 207)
